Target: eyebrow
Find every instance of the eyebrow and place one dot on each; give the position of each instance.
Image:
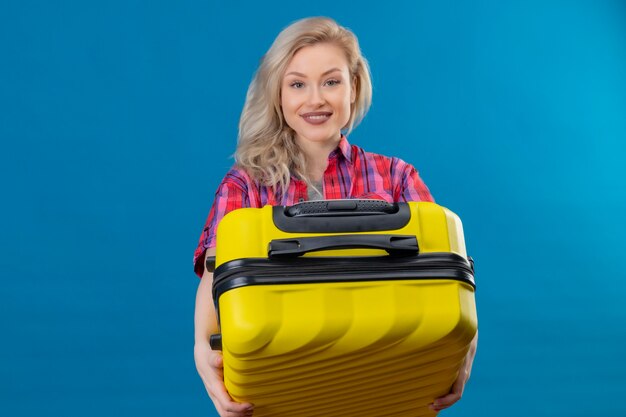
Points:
(299, 74)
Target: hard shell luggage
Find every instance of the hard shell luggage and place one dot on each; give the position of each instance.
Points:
(343, 307)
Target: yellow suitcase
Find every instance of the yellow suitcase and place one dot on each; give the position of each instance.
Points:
(343, 307)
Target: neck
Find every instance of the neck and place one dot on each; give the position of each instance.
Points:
(316, 154)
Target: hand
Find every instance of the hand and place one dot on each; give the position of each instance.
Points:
(459, 385)
(210, 366)
(454, 395)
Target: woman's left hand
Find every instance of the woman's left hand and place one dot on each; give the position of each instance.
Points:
(459, 385)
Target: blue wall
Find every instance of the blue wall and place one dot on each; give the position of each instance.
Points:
(117, 120)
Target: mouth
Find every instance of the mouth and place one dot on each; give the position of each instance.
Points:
(316, 117)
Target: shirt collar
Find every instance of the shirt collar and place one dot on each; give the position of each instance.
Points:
(343, 148)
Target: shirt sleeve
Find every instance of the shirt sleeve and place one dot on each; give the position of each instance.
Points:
(229, 196)
(412, 188)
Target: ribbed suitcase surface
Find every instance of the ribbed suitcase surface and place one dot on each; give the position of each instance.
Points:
(343, 309)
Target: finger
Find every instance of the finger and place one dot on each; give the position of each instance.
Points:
(235, 414)
(231, 408)
(218, 393)
(453, 396)
(445, 401)
(224, 413)
(241, 413)
(227, 403)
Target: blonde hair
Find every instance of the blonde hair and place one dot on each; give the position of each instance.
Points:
(266, 148)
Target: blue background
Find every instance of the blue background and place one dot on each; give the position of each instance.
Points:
(117, 120)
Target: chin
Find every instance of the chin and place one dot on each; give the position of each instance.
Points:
(320, 136)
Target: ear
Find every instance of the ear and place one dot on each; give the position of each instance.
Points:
(353, 90)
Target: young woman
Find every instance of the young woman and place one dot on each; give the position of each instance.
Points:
(311, 89)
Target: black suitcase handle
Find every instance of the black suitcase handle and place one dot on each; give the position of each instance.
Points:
(393, 244)
(341, 216)
(210, 263)
(323, 208)
(215, 341)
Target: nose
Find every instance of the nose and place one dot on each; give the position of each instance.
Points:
(316, 97)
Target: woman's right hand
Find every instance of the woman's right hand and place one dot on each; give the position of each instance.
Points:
(210, 366)
(209, 363)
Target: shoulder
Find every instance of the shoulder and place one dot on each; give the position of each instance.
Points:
(237, 184)
(236, 178)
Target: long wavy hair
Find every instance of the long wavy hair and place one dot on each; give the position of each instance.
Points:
(266, 147)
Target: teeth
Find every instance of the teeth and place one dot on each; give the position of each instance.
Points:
(323, 116)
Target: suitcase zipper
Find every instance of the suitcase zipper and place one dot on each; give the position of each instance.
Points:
(263, 271)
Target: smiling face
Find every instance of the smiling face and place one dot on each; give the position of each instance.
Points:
(316, 93)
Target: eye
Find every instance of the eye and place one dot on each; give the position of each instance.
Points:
(333, 82)
(297, 84)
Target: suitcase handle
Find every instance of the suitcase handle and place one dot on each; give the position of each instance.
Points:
(341, 216)
(393, 244)
(323, 208)
(215, 341)
(210, 263)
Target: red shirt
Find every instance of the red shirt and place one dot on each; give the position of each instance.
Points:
(351, 173)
